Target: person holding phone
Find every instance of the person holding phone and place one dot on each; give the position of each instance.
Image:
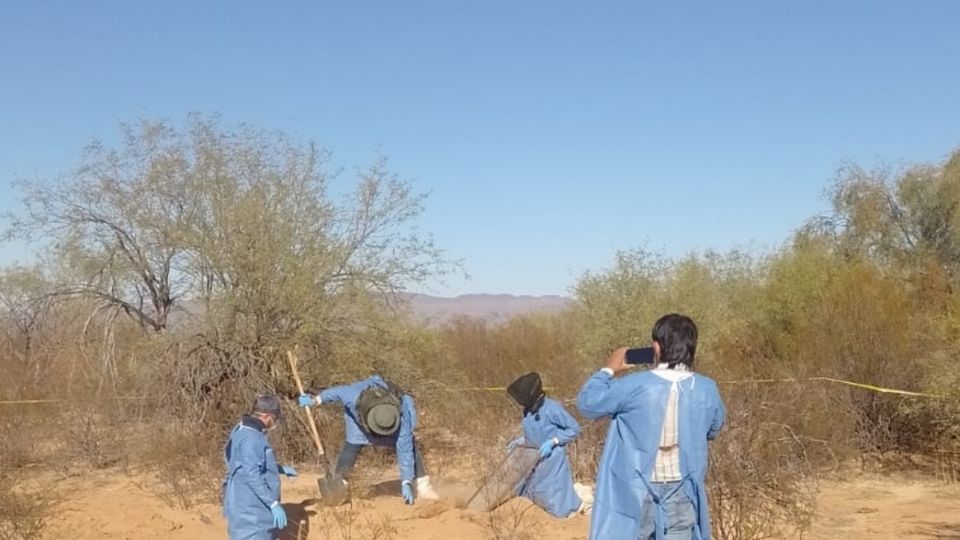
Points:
(650, 484)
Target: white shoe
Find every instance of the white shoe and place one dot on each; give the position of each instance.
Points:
(586, 498)
(425, 489)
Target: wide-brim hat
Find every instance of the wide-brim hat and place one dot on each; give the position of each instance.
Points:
(383, 419)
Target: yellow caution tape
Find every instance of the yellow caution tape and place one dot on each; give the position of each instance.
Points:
(60, 400)
(872, 388)
(880, 389)
(863, 386)
(502, 388)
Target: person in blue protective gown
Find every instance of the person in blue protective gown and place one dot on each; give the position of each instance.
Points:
(251, 487)
(650, 483)
(548, 427)
(385, 425)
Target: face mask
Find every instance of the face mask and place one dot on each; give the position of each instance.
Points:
(269, 425)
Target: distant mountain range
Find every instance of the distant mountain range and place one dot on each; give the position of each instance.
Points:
(490, 307)
(434, 310)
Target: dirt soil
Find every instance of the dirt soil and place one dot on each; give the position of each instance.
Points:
(108, 504)
(882, 507)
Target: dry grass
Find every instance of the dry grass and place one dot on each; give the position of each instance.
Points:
(22, 514)
(92, 442)
(947, 464)
(354, 521)
(19, 446)
(512, 522)
(187, 463)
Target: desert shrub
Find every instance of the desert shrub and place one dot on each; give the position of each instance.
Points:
(22, 515)
(512, 522)
(20, 440)
(93, 442)
(763, 468)
(186, 458)
(351, 522)
(768, 326)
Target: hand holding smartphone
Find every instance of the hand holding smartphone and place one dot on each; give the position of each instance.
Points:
(643, 355)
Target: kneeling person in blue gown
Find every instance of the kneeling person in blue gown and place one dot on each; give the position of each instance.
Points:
(377, 413)
(548, 427)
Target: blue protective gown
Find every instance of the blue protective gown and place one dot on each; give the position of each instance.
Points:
(252, 483)
(636, 404)
(550, 485)
(402, 440)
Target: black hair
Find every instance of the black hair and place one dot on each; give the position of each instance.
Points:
(677, 336)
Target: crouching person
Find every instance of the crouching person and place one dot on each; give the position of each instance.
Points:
(251, 488)
(548, 427)
(377, 413)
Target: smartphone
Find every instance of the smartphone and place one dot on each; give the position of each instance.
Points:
(643, 355)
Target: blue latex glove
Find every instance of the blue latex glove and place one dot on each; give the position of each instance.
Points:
(287, 470)
(279, 516)
(514, 443)
(306, 400)
(546, 448)
(407, 490)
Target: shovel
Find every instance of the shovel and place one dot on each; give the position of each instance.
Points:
(333, 489)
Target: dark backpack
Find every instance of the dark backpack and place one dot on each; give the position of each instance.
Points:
(375, 395)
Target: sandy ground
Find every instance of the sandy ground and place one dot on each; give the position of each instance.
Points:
(114, 505)
(887, 507)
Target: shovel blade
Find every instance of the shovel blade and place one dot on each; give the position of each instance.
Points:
(333, 489)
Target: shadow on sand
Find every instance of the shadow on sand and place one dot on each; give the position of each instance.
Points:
(390, 488)
(298, 519)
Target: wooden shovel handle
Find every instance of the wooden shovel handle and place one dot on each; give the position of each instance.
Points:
(306, 410)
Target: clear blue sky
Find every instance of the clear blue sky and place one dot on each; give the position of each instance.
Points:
(551, 134)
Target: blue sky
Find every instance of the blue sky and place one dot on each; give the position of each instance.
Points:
(550, 134)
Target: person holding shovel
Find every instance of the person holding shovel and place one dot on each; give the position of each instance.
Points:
(251, 488)
(377, 413)
(548, 427)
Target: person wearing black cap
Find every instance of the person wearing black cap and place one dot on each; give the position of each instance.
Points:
(251, 488)
(548, 427)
